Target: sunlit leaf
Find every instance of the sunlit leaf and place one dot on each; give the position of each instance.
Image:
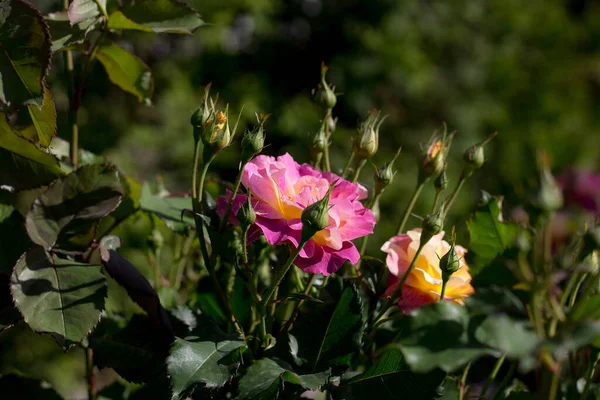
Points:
(64, 35)
(170, 208)
(25, 55)
(58, 296)
(194, 362)
(126, 71)
(82, 10)
(43, 122)
(171, 16)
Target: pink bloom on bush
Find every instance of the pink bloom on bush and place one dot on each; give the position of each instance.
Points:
(581, 188)
(424, 284)
(281, 189)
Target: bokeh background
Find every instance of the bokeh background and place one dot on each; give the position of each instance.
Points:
(530, 70)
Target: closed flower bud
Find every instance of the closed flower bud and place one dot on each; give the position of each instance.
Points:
(331, 123)
(449, 263)
(327, 96)
(254, 140)
(549, 196)
(432, 225)
(441, 182)
(315, 217)
(367, 140)
(474, 156)
(201, 118)
(246, 215)
(434, 157)
(385, 175)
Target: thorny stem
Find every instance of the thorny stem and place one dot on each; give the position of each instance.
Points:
(443, 291)
(236, 187)
(358, 166)
(290, 321)
(411, 204)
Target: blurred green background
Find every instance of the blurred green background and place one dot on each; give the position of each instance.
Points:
(530, 70)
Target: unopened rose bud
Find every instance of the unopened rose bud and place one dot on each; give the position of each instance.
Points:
(331, 123)
(326, 93)
(385, 175)
(246, 215)
(474, 156)
(367, 141)
(449, 263)
(441, 182)
(549, 196)
(254, 140)
(202, 116)
(315, 217)
(434, 156)
(432, 225)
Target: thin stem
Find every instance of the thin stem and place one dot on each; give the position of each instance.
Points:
(327, 164)
(89, 373)
(411, 205)
(547, 242)
(505, 380)
(236, 187)
(443, 291)
(358, 166)
(282, 272)
(588, 380)
(463, 382)
(365, 239)
(347, 166)
(491, 377)
(185, 253)
(290, 321)
(398, 291)
(461, 181)
(436, 200)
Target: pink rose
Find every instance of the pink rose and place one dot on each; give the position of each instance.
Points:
(424, 284)
(281, 189)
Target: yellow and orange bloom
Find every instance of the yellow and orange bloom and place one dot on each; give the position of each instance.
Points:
(424, 284)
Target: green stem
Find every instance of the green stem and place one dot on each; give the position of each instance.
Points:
(347, 166)
(505, 381)
(547, 242)
(365, 239)
(327, 164)
(290, 321)
(282, 272)
(588, 380)
(236, 187)
(466, 173)
(436, 200)
(463, 382)
(358, 166)
(411, 204)
(443, 291)
(185, 253)
(398, 291)
(89, 372)
(491, 377)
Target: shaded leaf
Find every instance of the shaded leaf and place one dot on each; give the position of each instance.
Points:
(171, 16)
(25, 55)
(14, 240)
(70, 210)
(43, 122)
(265, 378)
(170, 208)
(58, 296)
(126, 71)
(514, 338)
(390, 375)
(490, 235)
(63, 34)
(438, 336)
(82, 10)
(137, 286)
(194, 362)
(19, 173)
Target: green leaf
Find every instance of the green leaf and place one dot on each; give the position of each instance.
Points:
(168, 207)
(490, 235)
(126, 71)
(58, 296)
(43, 122)
(69, 211)
(194, 362)
(390, 375)
(329, 334)
(14, 240)
(266, 377)
(83, 10)
(170, 16)
(438, 336)
(24, 53)
(118, 20)
(64, 35)
(514, 338)
(28, 166)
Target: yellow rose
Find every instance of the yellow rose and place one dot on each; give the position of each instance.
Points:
(424, 284)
